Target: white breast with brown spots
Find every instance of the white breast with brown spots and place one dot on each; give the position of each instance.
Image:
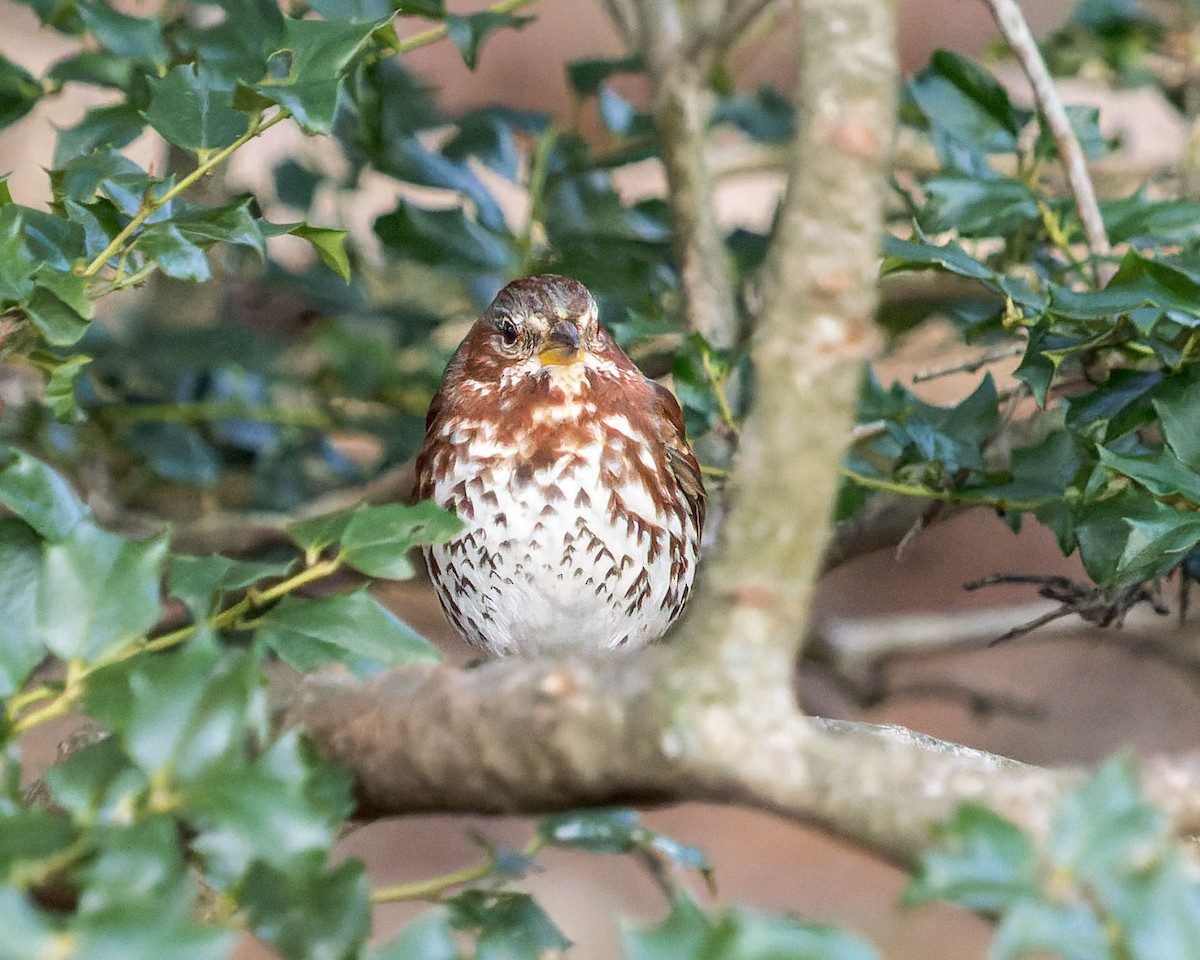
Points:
(564, 549)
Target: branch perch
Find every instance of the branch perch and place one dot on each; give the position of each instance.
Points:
(712, 715)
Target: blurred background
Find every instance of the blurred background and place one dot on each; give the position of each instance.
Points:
(1059, 696)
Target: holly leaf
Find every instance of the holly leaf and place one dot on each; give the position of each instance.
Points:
(59, 394)
(39, 495)
(308, 911)
(21, 647)
(376, 540)
(190, 112)
(982, 862)
(19, 92)
(184, 714)
(469, 32)
(353, 628)
(282, 811)
(198, 581)
(98, 592)
(330, 246)
(445, 238)
(306, 72)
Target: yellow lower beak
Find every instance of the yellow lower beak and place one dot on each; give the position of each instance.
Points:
(557, 355)
(561, 346)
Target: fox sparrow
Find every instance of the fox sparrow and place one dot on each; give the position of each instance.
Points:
(582, 501)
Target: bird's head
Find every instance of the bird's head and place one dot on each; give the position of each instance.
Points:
(537, 327)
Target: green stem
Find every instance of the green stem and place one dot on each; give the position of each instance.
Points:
(149, 206)
(434, 887)
(77, 672)
(28, 698)
(946, 496)
(717, 382)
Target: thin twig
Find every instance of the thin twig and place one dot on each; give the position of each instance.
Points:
(1016, 31)
(970, 366)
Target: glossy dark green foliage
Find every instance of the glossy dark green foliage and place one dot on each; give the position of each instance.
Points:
(1110, 881)
(1116, 488)
(189, 782)
(689, 933)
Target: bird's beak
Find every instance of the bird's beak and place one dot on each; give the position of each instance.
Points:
(561, 346)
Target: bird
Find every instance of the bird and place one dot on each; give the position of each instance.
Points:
(581, 499)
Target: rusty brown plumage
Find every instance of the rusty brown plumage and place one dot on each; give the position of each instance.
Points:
(582, 500)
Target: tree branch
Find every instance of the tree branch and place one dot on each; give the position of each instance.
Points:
(1016, 31)
(539, 736)
(679, 47)
(815, 330)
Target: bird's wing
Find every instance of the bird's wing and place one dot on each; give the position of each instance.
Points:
(680, 458)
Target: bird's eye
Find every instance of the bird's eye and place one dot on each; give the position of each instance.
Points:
(508, 331)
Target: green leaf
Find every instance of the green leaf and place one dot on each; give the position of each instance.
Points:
(281, 811)
(1177, 404)
(428, 937)
(97, 784)
(1103, 826)
(469, 32)
(445, 238)
(1157, 544)
(330, 245)
(30, 933)
(17, 263)
(982, 862)
(1140, 281)
(964, 102)
(19, 92)
(1157, 221)
(98, 592)
(21, 647)
(185, 713)
(28, 837)
(96, 67)
(316, 534)
(59, 395)
(739, 934)
(1161, 473)
(977, 208)
(682, 935)
(352, 628)
(139, 38)
(312, 61)
(922, 255)
(58, 322)
(765, 115)
(116, 126)
(296, 183)
(177, 256)
(176, 452)
(587, 75)
(191, 112)
(307, 912)
(508, 926)
(198, 581)
(1068, 930)
(232, 223)
(744, 934)
(376, 540)
(39, 495)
